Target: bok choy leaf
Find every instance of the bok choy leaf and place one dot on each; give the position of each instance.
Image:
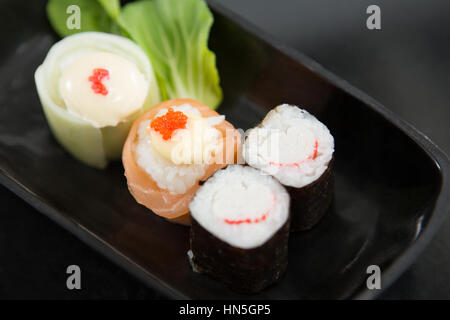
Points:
(174, 34)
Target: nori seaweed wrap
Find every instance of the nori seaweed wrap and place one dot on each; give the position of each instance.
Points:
(297, 149)
(240, 229)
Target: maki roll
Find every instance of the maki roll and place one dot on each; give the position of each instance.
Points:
(92, 85)
(297, 149)
(240, 228)
(172, 148)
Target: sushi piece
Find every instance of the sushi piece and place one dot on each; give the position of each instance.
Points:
(92, 85)
(172, 148)
(240, 228)
(297, 149)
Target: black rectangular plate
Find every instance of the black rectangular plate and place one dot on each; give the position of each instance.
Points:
(392, 183)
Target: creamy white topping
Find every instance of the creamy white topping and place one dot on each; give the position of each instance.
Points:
(102, 100)
(167, 175)
(197, 143)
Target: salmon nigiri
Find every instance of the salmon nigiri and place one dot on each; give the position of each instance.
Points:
(172, 148)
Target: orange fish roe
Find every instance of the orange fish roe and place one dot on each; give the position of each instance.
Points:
(97, 76)
(169, 122)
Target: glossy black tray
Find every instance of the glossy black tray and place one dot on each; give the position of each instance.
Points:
(392, 182)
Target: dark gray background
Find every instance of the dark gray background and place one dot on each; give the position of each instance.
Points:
(406, 66)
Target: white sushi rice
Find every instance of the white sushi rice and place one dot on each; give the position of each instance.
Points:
(167, 175)
(284, 143)
(241, 193)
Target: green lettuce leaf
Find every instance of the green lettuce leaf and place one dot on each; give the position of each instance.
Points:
(174, 34)
(95, 15)
(112, 7)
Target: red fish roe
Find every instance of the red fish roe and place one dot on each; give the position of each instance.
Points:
(248, 220)
(169, 122)
(297, 164)
(98, 74)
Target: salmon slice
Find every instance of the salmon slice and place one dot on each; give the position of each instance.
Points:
(174, 207)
